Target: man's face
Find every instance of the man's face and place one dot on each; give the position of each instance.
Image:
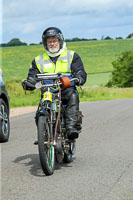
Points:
(53, 44)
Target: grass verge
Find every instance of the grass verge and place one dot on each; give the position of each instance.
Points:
(103, 93)
(86, 93)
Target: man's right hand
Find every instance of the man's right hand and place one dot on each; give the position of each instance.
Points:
(28, 85)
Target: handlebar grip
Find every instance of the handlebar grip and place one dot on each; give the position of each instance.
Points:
(65, 82)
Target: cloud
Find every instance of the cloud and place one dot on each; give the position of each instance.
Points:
(81, 18)
(13, 8)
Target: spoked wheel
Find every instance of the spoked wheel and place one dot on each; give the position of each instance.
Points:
(46, 149)
(4, 122)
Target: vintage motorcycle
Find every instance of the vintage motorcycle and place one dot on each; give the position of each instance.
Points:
(53, 144)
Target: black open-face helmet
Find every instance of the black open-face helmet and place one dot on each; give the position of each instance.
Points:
(52, 32)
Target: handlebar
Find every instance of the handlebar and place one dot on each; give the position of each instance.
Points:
(39, 85)
(51, 76)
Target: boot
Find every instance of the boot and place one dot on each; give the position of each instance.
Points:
(72, 133)
(71, 115)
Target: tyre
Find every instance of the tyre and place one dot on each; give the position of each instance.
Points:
(4, 122)
(68, 156)
(46, 150)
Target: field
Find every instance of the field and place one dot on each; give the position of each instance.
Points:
(97, 57)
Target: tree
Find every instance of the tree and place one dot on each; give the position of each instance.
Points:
(122, 74)
(118, 38)
(130, 35)
(3, 45)
(15, 42)
(108, 38)
(32, 44)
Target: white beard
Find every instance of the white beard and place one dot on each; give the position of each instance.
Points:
(57, 53)
(53, 50)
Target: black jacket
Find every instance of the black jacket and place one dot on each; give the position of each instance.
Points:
(77, 68)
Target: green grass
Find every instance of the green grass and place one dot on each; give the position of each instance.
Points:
(97, 57)
(86, 93)
(18, 98)
(97, 79)
(17, 60)
(103, 93)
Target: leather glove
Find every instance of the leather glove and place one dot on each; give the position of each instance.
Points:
(29, 84)
(80, 80)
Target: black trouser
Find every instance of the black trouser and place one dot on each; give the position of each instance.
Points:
(70, 97)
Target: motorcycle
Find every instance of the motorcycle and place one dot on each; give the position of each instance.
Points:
(53, 144)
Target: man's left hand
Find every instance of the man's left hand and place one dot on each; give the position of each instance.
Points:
(79, 81)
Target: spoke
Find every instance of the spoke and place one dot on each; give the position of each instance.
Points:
(5, 128)
(2, 112)
(1, 116)
(2, 108)
(4, 118)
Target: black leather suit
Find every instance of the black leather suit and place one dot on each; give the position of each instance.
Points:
(70, 95)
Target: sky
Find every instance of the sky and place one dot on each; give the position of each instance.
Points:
(27, 19)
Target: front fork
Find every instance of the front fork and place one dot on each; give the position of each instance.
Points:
(51, 126)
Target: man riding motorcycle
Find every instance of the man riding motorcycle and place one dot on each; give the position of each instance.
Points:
(59, 59)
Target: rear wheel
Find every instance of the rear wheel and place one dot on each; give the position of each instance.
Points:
(4, 122)
(68, 156)
(46, 150)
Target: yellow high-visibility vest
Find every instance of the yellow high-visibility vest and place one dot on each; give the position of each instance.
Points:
(63, 63)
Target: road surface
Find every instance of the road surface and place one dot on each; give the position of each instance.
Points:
(102, 168)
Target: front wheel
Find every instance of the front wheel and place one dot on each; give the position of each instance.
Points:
(46, 149)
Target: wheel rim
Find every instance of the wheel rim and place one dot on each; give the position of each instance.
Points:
(51, 157)
(4, 120)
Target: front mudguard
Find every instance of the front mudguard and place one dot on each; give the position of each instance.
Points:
(40, 112)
